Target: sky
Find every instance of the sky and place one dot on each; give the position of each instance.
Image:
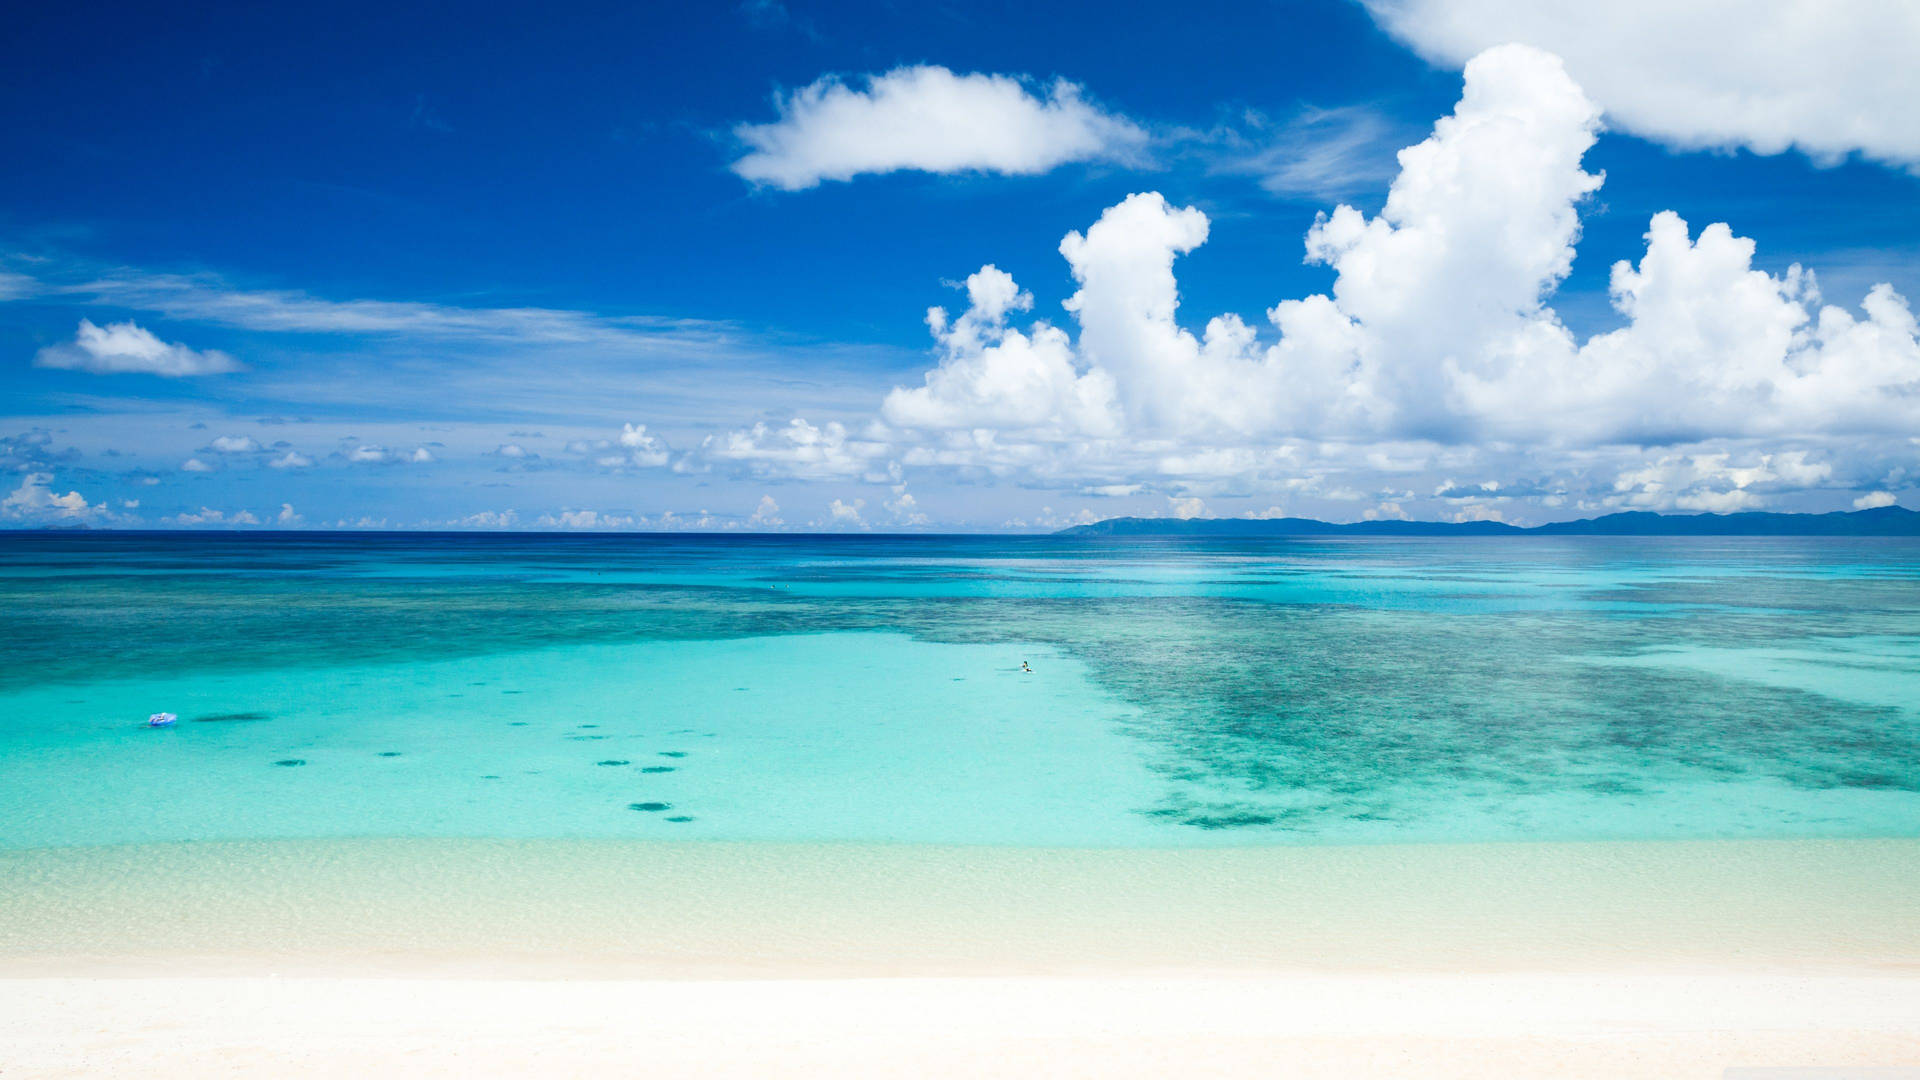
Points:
(981, 267)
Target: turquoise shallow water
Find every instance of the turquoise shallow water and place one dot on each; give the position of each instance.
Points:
(1183, 693)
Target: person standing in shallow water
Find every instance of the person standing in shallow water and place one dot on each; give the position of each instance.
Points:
(1025, 668)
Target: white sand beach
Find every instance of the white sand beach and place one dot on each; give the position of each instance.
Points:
(1304, 1025)
(465, 958)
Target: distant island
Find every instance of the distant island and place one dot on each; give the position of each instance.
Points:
(1879, 521)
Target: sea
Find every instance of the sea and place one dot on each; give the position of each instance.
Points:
(1014, 691)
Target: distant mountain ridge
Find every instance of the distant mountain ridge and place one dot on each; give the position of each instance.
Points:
(1879, 521)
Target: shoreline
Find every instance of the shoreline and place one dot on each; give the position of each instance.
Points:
(716, 910)
(1608, 959)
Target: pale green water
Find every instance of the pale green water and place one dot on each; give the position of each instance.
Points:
(868, 689)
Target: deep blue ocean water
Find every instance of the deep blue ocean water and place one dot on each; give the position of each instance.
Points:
(1182, 692)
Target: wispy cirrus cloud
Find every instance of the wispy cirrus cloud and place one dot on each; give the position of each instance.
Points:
(1324, 154)
(308, 351)
(211, 299)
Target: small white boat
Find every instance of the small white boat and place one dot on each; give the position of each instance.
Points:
(161, 719)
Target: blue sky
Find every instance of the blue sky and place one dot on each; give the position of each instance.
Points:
(664, 266)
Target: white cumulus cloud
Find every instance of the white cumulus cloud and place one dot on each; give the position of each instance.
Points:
(1717, 483)
(930, 119)
(1186, 508)
(1827, 77)
(1436, 347)
(796, 449)
(488, 519)
(35, 500)
(766, 514)
(643, 450)
(125, 348)
(905, 508)
(843, 514)
(209, 516)
(585, 519)
(635, 447)
(994, 376)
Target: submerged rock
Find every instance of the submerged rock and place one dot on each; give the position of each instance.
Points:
(291, 762)
(1230, 821)
(649, 807)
